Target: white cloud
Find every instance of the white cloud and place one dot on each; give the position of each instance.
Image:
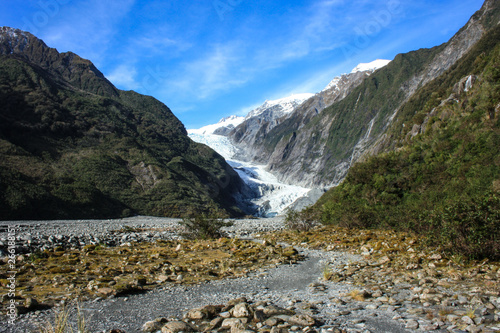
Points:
(86, 28)
(124, 76)
(219, 70)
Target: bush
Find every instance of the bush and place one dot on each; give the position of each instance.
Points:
(470, 227)
(205, 226)
(301, 221)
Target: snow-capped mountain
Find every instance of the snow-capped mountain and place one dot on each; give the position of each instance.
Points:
(238, 139)
(280, 107)
(371, 66)
(225, 123)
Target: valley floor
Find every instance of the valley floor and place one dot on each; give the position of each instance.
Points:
(340, 304)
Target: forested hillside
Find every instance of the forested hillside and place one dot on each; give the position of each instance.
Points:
(74, 146)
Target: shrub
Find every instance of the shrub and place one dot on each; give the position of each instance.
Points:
(205, 225)
(301, 221)
(469, 227)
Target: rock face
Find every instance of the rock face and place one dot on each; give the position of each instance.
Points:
(316, 145)
(250, 135)
(260, 121)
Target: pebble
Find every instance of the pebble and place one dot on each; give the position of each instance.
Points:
(407, 303)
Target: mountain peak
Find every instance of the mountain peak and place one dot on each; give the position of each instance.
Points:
(74, 70)
(286, 104)
(363, 67)
(371, 66)
(13, 40)
(226, 123)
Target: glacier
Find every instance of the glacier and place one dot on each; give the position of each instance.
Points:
(270, 196)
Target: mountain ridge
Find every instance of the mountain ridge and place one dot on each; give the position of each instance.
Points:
(74, 146)
(313, 148)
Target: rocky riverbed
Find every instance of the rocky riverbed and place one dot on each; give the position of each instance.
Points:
(345, 282)
(42, 235)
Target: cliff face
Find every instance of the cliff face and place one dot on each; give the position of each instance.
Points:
(316, 147)
(252, 135)
(74, 146)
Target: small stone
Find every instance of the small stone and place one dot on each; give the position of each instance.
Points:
(259, 316)
(384, 260)
(302, 320)
(105, 292)
(238, 328)
(273, 321)
(473, 329)
(225, 314)
(435, 257)
(195, 314)
(235, 301)
(468, 320)
(412, 324)
(272, 310)
(215, 323)
(452, 318)
(232, 322)
(278, 330)
(162, 278)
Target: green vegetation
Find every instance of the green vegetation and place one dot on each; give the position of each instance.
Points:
(206, 225)
(300, 221)
(375, 99)
(73, 146)
(443, 181)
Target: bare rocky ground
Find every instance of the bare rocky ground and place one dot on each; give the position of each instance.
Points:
(338, 304)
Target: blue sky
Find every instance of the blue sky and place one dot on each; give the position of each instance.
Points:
(207, 59)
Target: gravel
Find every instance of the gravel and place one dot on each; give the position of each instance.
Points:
(295, 286)
(40, 235)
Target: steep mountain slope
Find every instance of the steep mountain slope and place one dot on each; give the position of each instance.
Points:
(443, 178)
(260, 121)
(311, 148)
(74, 146)
(251, 135)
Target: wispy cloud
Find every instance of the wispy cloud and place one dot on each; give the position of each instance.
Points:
(124, 76)
(87, 27)
(220, 69)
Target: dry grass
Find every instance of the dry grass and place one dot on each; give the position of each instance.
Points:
(357, 295)
(96, 271)
(61, 322)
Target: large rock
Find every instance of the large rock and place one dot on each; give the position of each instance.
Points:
(176, 327)
(240, 310)
(154, 325)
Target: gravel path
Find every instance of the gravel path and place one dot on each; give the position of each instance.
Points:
(297, 286)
